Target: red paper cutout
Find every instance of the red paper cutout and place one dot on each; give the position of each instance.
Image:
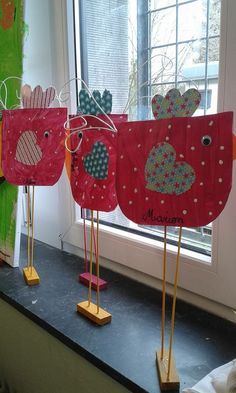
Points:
(175, 172)
(33, 145)
(93, 166)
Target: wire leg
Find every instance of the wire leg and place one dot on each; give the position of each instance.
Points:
(174, 305)
(32, 237)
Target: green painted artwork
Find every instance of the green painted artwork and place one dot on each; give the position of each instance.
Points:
(11, 65)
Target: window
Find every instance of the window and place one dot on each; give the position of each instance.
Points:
(128, 48)
(199, 273)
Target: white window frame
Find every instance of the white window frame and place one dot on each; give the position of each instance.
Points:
(215, 280)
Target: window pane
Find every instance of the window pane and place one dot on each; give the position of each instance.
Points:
(163, 27)
(214, 17)
(192, 21)
(156, 4)
(163, 64)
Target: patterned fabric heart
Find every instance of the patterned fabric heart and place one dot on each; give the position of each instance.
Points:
(28, 152)
(96, 163)
(89, 107)
(175, 105)
(165, 175)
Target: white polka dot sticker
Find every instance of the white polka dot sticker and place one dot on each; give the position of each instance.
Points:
(146, 199)
(220, 203)
(130, 202)
(135, 169)
(130, 129)
(185, 212)
(9, 131)
(189, 126)
(169, 126)
(211, 123)
(124, 187)
(92, 196)
(104, 186)
(113, 173)
(86, 182)
(162, 201)
(95, 185)
(220, 180)
(201, 184)
(29, 118)
(109, 206)
(139, 145)
(135, 190)
(121, 157)
(221, 162)
(181, 156)
(203, 163)
(76, 183)
(222, 147)
(43, 118)
(195, 200)
(110, 148)
(150, 129)
(210, 213)
(102, 197)
(167, 138)
(192, 148)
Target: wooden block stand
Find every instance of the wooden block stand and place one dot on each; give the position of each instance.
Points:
(84, 279)
(90, 312)
(162, 365)
(31, 276)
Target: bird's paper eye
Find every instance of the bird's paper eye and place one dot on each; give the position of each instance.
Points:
(80, 135)
(46, 134)
(206, 140)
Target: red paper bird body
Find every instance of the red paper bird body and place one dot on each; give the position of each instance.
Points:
(93, 165)
(175, 172)
(33, 141)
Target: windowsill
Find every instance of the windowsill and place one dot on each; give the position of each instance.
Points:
(124, 349)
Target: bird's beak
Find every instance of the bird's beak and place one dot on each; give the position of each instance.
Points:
(234, 147)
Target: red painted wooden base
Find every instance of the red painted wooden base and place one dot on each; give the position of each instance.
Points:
(84, 279)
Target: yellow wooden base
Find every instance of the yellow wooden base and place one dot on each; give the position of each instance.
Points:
(90, 312)
(173, 382)
(31, 276)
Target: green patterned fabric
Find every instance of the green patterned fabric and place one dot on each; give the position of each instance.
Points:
(175, 105)
(88, 106)
(164, 174)
(96, 163)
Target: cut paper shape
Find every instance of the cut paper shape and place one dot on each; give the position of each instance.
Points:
(37, 98)
(96, 162)
(93, 186)
(203, 143)
(166, 175)
(33, 141)
(175, 105)
(28, 152)
(89, 106)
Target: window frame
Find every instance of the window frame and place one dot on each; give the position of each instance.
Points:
(145, 255)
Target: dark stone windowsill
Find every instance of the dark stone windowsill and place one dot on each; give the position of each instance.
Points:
(125, 348)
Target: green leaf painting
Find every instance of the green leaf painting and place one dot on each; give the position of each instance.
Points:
(11, 65)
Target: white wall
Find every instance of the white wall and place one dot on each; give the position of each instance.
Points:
(45, 63)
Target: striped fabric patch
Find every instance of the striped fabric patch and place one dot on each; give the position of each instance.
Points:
(37, 98)
(28, 152)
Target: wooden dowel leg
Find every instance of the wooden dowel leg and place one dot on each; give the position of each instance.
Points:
(174, 305)
(163, 297)
(91, 259)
